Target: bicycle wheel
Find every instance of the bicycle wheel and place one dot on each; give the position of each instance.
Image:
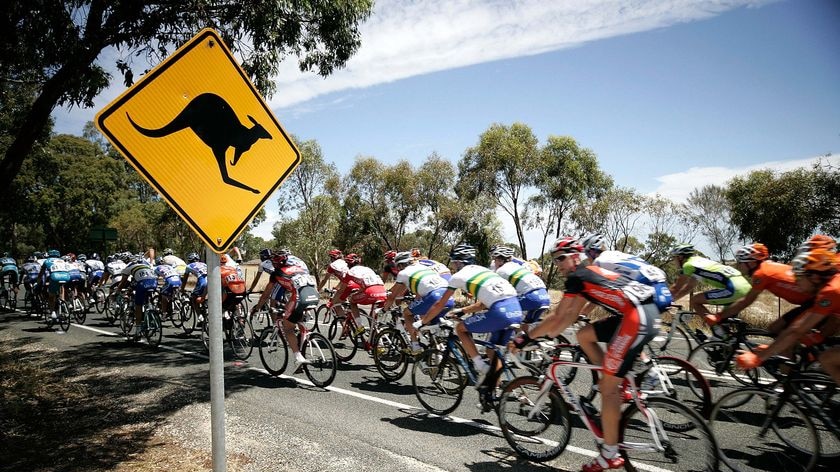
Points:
(323, 317)
(274, 353)
(188, 319)
(672, 341)
(438, 382)
(687, 443)
(205, 337)
(176, 306)
(111, 310)
(676, 378)
(308, 320)
(126, 322)
(537, 436)
(322, 362)
(63, 315)
(241, 337)
(714, 360)
(99, 299)
(79, 311)
(342, 340)
(153, 329)
(4, 298)
(744, 432)
(389, 354)
(819, 391)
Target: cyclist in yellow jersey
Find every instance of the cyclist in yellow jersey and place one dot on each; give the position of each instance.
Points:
(729, 285)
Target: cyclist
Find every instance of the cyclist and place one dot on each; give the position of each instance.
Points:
(359, 286)
(31, 269)
(494, 295)
(9, 273)
(95, 270)
(114, 266)
(295, 282)
(169, 258)
(199, 269)
(337, 267)
(533, 296)
(143, 281)
(233, 287)
(729, 285)
(57, 272)
(634, 323)
(816, 271)
(427, 285)
(171, 284)
(630, 267)
(78, 277)
(390, 269)
(778, 279)
(265, 266)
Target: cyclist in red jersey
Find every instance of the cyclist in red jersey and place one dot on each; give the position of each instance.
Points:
(774, 277)
(360, 285)
(634, 324)
(816, 271)
(390, 269)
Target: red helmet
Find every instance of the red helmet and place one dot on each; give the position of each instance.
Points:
(415, 252)
(352, 259)
(390, 255)
(336, 254)
(566, 245)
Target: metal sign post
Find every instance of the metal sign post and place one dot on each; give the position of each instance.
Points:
(217, 374)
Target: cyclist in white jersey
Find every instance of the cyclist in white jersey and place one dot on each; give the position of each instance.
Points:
(427, 285)
(630, 267)
(95, 270)
(533, 296)
(113, 270)
(495, 297)
(171, 259)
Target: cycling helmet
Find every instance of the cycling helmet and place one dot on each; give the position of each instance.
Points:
(415, 252)
(31, 258)
(352, 259)
(390, 255)
(168, 251)
(822, 261)
(566, 245)
(821, 241)
(95, 256)
(752, 252)
(6, 254)
(402, 258)
(683, 250)
(125, 257)
(192, 257)
(502, 252)
(265, 254)
(66, 258)
(81, 258)
(158, 260)
(280, 257)
(462, 253)
(53, 253)
(594, 242)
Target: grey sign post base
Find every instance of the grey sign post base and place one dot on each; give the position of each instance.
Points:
(217, 373)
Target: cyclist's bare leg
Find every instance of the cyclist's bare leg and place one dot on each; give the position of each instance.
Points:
(408, 321)
(698, 305)
(289, 329)
(830, 360)
(610, 406)
(589, 343)
(466, 340)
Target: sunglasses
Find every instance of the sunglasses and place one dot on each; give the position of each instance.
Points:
(562, 257)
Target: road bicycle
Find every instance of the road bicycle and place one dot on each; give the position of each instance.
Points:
(717, 357)
(77, 308)
(151, 328)
(237, 329)
(792, 427)
(348, 336)
(315, 348)
(535, 417)
(62, 312)
(324, 315)
(8, 296)
(439, 377)
(116, 304)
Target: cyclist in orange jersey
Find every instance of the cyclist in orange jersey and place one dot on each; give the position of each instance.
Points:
(774, 277)
(816, 271)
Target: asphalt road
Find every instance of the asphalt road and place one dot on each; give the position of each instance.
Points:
(360, 423)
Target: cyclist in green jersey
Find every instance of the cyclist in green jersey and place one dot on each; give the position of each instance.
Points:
(729, 285)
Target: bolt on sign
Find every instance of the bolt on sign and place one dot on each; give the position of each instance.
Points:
(199, 132)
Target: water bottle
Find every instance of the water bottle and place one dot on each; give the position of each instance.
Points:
(589, 410)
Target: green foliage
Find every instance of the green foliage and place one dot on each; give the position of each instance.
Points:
(782, 210)
(711, 212)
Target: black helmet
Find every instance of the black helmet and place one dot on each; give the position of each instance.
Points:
(168, 251)
(462, 253)
(265, 254)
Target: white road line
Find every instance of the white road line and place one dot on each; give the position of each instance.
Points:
(402, 406)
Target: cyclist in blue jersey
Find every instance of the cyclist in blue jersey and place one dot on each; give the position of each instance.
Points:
(57, 274)
(9, 271)
(199, 269)
(171, 284)
(144, 281)
(31, 269)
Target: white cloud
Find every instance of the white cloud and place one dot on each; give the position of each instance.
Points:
(679, 185)
(405, 39)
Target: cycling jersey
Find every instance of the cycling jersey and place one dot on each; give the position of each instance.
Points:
(94, 268)
(827, 301)
(267, 266)
(115, 269)
(78, 271)
(420, 279)
(370, 285)
(482, 284)
(363, 276)
(437, 267)
(57, 272)
(296, 261)
(515, 260)
(338, 268)
(635, 268)
(779, 280)
(730, 284)
(521, 277)
(171, 279)
(233, 287)
(199, 269)
(176, 262)
(143, 279)
(9, 266)
(300, 286)
(31, 271)
(628, 333)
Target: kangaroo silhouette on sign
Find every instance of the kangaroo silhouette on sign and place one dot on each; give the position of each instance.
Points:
(214, 122)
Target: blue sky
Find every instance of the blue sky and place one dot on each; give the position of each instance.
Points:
(669, 94)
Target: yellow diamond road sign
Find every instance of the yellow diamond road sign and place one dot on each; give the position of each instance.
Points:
(199, 132)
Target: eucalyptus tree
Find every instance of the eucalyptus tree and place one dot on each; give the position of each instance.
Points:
(58, 46)
(501, 166)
